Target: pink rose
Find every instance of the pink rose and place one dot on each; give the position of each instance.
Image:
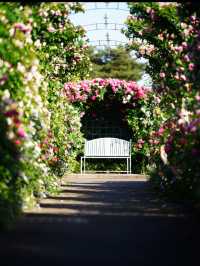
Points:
(17, 142)
(82, 114)
(102, 82)
(96, 93)
(51, 29)
(179, 49)
(152, 14)
(193, 129)
(183, 77)
(160, 131)
(193, 18)
(93, 98)
(3, 79)
(184, 45)
(191, 66)
(162, 74)
(82, 97)
(156, 142)
(72, 98)
(151, 141)
(138, 146)
(21, 132)
(186, 58)
(140, 141)
(177, 76)
(198, 47)
(24, 28)
(114, 89)
(198, 111)
(197, 97)
(140, 94)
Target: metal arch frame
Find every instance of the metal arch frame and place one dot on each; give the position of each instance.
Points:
(104, 8)
(109, 40)
(105, 28)
(97, 26)
(101, 8)
(107, 8)
(99, 43)
(104, 45)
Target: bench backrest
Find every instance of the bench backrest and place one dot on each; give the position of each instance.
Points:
(112, 147)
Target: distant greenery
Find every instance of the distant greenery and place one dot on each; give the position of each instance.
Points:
(114, 63)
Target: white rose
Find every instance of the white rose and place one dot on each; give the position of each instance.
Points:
(6, 95)
(11, 135)
(18, 43)
(9, 121)
(37, 43)
(21, 68)
(11, 32)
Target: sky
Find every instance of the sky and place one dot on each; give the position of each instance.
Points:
(93, 16)
(116, 13)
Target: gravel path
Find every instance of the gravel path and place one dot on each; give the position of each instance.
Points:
(103, 220)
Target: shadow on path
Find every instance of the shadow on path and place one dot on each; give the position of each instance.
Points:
(101, 222)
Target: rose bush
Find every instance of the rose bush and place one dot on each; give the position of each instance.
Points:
(137, 103)
(62, 50)
(167, 34)
(35, 138)
(22, 111)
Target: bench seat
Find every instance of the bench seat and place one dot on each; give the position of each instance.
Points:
(107, 148)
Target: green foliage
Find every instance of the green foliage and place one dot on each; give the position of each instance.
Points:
(63, 53)
(36, 142)
(167, 34)
(126, 105)
(114, 63)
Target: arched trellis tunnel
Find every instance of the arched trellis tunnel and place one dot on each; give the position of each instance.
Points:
(105, 118)
(104, 106)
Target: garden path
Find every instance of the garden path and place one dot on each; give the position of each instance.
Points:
(103, 220)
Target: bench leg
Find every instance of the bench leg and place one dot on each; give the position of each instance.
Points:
(130, 165)
(127, 164)
(84, 164)
(81, 165)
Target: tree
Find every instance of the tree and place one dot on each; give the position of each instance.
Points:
(114, 63)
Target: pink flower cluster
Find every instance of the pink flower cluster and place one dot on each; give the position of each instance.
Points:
(50, 152)
(139, 144)
(16, 126)
(90, 89)
(186, 130)
(22, 27)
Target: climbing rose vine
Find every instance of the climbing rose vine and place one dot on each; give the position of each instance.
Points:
(168, 36)
(92, 90)
(137, 103)
(38, 47)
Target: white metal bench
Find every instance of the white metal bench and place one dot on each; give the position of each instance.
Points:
(107, 148)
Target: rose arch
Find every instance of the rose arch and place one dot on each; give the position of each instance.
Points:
(105, 106)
